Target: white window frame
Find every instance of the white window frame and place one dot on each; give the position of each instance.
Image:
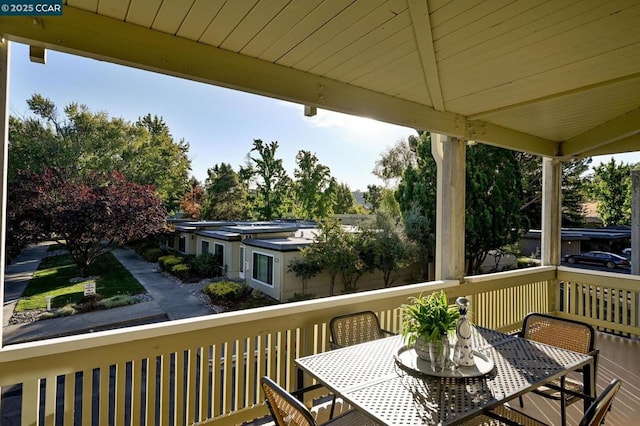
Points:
(273, 270)
(202, 243)
(243, 263)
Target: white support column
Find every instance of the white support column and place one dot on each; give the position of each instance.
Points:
(4, 132)
(450, 155)
(551, 211)
(635, 221)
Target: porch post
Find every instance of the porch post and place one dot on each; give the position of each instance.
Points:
(4, 133)
(551, 211)
(635, 221)
(449, 154)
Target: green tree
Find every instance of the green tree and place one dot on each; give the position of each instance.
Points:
(273, 185)
(311, 187)
(396, 159)
(493, 187)
(334, 249)
(373, 196)
(305, 269)
(343, 200)
(159, 160)
(416, 196)
(573, 195)
(225, 195)
(610, 186)
(390, 249)
(82, 143)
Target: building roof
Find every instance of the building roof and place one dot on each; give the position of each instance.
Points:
(556, 78)
(278, 244)
(220, 235)
(585, 233)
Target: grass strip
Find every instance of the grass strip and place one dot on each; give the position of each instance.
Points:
(53, 275)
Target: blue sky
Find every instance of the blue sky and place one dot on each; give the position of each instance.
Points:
(219, 124)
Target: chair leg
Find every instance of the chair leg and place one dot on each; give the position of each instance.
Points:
(521, 402)
(333, 406)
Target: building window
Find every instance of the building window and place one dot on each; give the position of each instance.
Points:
(218, 253)
(263, 268)
(182, 244)
(205, 247)
(170, 241)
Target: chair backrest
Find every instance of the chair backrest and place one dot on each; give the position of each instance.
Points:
(564, 333)
(358, 327)
(284, 408)
(595, 414)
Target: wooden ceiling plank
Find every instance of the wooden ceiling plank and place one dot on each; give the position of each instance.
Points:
(621, 127)
(79, 32)
(231, 14)
(401, 23)
(278, 26)
(257, 18)
(400, 71)
(199, 17)
(116, 9)
(143, 13)
(505, 22)
(348, 18)
(422, 30)
(602, 68)
(171, 15)
(375, 57)
(526, 39)
(355, 32)
(447, 25)
(305, 26)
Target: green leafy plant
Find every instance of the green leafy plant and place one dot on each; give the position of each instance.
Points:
(429, 317)
(226, 291)
(169, 261)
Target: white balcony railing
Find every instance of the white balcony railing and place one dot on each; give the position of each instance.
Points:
(190, 371)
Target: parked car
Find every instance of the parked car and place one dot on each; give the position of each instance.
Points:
(627, 252)
(610, 260)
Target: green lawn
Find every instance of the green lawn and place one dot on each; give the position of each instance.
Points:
(53, 275)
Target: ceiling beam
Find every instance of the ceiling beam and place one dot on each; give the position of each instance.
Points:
(621, 127)
(103, 38)
(629, 144)
(419, 12)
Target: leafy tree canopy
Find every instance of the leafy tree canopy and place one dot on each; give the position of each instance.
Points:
(225, 195)
(80, 143)
(273, 196)
(90, 214)
(611, 187)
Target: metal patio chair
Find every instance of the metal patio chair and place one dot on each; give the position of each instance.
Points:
(354, 328)
(288, 411)
(567, 334)
(505, 415)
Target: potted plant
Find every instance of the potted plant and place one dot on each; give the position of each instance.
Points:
(427, 322)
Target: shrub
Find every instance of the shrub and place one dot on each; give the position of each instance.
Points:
(168, 262)
(207, 265)
(226, 291)
(181, 270)
(152, 254)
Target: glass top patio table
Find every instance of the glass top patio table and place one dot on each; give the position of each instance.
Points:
(367, 376)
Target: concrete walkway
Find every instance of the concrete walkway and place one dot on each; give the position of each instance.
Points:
(170, 301)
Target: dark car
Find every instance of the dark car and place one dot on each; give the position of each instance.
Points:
(610, 260)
